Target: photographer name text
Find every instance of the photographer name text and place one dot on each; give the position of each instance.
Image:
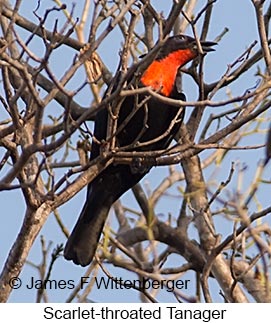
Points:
(116, 283)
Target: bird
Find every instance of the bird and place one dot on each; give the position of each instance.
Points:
(150, 127)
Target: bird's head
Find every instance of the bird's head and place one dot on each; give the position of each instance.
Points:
(178, 44)
(176, 52)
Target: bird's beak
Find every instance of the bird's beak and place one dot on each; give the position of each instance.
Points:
(207, 46)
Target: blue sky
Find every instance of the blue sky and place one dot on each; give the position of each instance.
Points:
(239, 18)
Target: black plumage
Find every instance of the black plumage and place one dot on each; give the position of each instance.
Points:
(154, 119)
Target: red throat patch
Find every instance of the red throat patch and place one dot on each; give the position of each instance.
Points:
(161, 75)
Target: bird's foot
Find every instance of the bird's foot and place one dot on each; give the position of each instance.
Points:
(141, 165)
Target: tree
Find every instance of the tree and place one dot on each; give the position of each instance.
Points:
(45, 135)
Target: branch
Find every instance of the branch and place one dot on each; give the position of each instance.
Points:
(173, 237)
(263, 33)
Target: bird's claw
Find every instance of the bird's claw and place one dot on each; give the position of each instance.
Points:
(140, 165)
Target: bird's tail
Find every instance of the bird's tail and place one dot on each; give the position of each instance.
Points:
(102, 193)
(83, 241)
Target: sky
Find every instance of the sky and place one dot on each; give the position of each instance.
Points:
(239, 18)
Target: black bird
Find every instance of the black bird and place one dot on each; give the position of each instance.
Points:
(154, 122)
